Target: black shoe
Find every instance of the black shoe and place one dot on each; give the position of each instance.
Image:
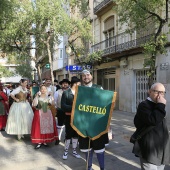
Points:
(57, 142)
(38, 146)
(2, 129)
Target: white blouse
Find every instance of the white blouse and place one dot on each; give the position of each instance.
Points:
(17, 90)
(44, 99)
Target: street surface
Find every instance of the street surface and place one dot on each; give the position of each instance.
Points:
(21, 155)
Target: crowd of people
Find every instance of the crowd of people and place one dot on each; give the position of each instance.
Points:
(24, 113)
(27, 114)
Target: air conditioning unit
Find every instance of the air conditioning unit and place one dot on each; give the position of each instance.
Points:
(123, 63)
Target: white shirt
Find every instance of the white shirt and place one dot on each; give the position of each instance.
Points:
(55, 98)
(150, 99)
(51, 89)
(6, 91)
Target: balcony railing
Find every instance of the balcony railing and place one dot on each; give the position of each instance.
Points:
(126, 41)
(100, 4)
(122, 42)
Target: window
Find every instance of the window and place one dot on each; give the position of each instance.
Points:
(61, 54)
(109, 32)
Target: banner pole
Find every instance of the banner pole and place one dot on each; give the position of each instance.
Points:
(87, 164)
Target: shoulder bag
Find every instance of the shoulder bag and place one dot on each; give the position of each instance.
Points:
(138, 134)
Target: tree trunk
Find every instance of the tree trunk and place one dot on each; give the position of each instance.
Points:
(39, 73)
(50, 57)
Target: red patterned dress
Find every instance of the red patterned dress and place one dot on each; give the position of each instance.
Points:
(3, 109)
(43, 125)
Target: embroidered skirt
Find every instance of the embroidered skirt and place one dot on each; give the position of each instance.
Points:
(43, 127)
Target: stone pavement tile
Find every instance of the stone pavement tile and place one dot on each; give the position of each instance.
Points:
(122, 127)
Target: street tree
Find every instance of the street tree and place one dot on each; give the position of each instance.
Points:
(6, 11)
(38, 24)
(4, 72)
(144, 15)
(14, 41)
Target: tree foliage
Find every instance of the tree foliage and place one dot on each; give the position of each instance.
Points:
(24, 70)
(5, 72)
(38, 24)
(145, 15)
(91, 58)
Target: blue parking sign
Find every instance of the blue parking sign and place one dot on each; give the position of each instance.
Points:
(77, 67)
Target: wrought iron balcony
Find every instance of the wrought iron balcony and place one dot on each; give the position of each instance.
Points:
(100, 4)
(122, 42)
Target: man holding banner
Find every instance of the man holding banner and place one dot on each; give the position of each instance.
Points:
(91, 115)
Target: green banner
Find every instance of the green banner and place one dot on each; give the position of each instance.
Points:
(34, 90)
(92, 111)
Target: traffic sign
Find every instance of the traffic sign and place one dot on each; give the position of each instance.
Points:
(77, 67)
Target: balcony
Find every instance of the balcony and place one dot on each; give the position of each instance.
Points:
(122, 42)
(100, 5)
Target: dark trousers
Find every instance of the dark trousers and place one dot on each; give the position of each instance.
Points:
(97, 144)
(60, 117)
(70, 132)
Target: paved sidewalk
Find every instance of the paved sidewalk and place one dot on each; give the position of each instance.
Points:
(15, 155)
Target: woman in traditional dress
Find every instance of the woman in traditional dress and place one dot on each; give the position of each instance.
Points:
(20, 114)
(66, 106)
(44, 125)
(3, 108)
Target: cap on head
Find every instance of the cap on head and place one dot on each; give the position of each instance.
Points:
(86, 71)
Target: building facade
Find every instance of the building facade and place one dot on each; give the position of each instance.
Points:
(123, 71)
(11, 67)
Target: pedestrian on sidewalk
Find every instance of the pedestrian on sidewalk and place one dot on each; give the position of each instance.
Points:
(57, 85)
(44, 125)
(66, 106)
(20, 114)
(98, 145)
(154, 148)
(3, 108)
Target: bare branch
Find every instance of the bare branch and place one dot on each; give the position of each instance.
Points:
(74, 39)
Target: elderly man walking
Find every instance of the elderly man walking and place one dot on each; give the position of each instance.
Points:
(153, 146)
